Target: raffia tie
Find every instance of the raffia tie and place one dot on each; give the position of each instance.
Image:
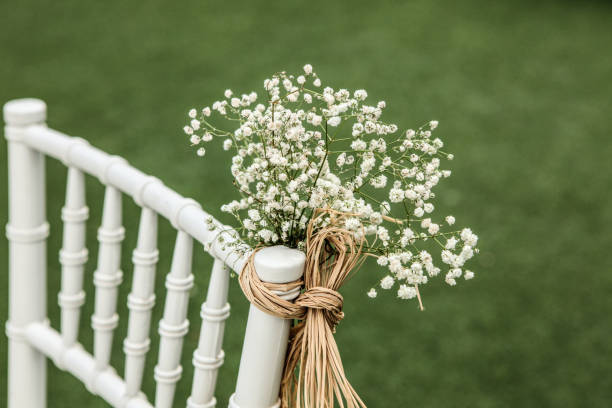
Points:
(313, 375)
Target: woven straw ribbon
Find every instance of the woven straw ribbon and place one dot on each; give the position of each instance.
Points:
(313, 375)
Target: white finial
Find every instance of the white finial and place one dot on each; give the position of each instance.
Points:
(28, 111)
(279, 264)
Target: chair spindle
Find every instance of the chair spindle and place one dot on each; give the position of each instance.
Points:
(73, 256)
(209, 356)
(174, 324)
(141, 301)
(107, 277)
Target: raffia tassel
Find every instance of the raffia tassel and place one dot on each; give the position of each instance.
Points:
(313, 375)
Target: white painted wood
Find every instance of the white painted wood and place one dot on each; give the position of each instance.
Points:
(27, 230)
(82, 365)
(141, 301)
(265, 341)
(107, 277)
(174, 323)
(73, 255)
(184, 214)
(266, 336)
(209, 356)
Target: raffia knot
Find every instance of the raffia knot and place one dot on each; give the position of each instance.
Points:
(313, 375)
(326, 299)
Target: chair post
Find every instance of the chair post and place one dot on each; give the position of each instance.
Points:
(265, 340)
(26, 231)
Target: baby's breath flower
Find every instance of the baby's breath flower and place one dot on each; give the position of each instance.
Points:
(406, 292)
(451, 243)
(360, 94)
(334, 121)
(387, 282)
(396, 195)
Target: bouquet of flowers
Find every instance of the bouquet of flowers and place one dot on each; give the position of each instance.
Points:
(317, 169)
(306, 148)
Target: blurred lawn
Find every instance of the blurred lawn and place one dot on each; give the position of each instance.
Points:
(523, 93)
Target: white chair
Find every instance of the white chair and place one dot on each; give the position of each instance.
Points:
(32, 340)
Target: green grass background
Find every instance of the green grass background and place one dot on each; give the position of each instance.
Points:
(523, 93)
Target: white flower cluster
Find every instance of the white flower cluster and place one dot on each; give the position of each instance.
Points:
(305, 147)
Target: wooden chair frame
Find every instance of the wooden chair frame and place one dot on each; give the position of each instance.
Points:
(32, 340)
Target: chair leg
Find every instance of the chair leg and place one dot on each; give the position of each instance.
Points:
(26, 231)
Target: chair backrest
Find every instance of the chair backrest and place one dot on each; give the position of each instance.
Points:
(32, 340)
